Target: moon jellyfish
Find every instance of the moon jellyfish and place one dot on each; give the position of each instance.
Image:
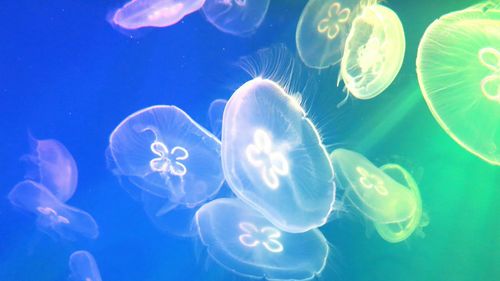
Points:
(458, 68)
(215, 113)
(164, 152)
(154, 13)
(83, 267)
(55, 168)
(53, 215)
(236, 17)
(373, 52)
(322, 31)
(273, 158)
(377, 195)
(241, 240)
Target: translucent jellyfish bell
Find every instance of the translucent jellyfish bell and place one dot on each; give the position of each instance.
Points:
(163, 151)
(53, 215)
(215, 113)
(373, 52)
(241, 240)
(322, 31)
(237, 17)
(273, 158)
(458, 68)
(83, 267)
(154, 13)
(55, 168)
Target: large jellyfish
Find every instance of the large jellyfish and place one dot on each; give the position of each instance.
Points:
(53, 216)
(241, 240)
(215, 113)
(458, 68)
(237, 17)
(83, 267)
(273, 158)
(389, 203)
(55, 168)
(373, 52)
(154, 13)
(164, 152)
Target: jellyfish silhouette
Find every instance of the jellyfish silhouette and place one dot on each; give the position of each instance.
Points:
(83, 267)
(458, 68)
(215, 113)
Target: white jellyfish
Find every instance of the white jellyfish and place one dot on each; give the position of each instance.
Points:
(83, 267)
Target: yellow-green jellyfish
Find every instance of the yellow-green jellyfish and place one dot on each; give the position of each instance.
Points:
(458, 67)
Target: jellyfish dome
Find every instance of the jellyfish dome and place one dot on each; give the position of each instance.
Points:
(163, 151)
(322, 31)
(458, 68)
(236, 17)
(241, 240)
(373, 52)
(273, 158)
(83, 267)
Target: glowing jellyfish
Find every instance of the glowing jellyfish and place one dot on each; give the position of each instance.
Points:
(458, 68)
(322, 31)
(373, 52)
(164, 152)
(237, 17)
(53, 215)
(241, 240)
(273, 158)
(83, 267)
(154, 13)
(215, 113)
(55, 168)
(389, 203)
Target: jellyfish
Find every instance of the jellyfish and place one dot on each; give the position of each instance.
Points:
(373, 52)
(273, 158)
(241, 240)
(53, 216)
(55, 168)
(161, 150)
(322, 31)
(215, 113)
(154, 13)
(83, 267)
(236, 17)
(377, 195)
(458, 69)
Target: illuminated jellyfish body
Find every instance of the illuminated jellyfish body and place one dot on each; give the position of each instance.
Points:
(373, 52)
(458, 68)
(241, 240)
(394, 206)
(273, 158)
(215, 113)
(154, 13)
(83, 267)
(236, 17)
(55, 168)
(53, 216)
(322, 31)
(161, 150)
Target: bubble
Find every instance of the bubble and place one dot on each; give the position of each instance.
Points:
(55, 168)
(154, 13)
(373, 52)
(458, 68)
(236, 17)
(215, 113)
(273, 158)
(161, 150)
(53, 216)
(83, 267)
(241, 240)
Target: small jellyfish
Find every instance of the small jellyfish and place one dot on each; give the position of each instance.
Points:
(458, 69)
(215, 113)
(53, 216)
(273, 158)
(83, 267)
(322, 31)
(154, 13)
(373, 52)
(55, 168)
(242, 241)
(236, 17)
(163, 151)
